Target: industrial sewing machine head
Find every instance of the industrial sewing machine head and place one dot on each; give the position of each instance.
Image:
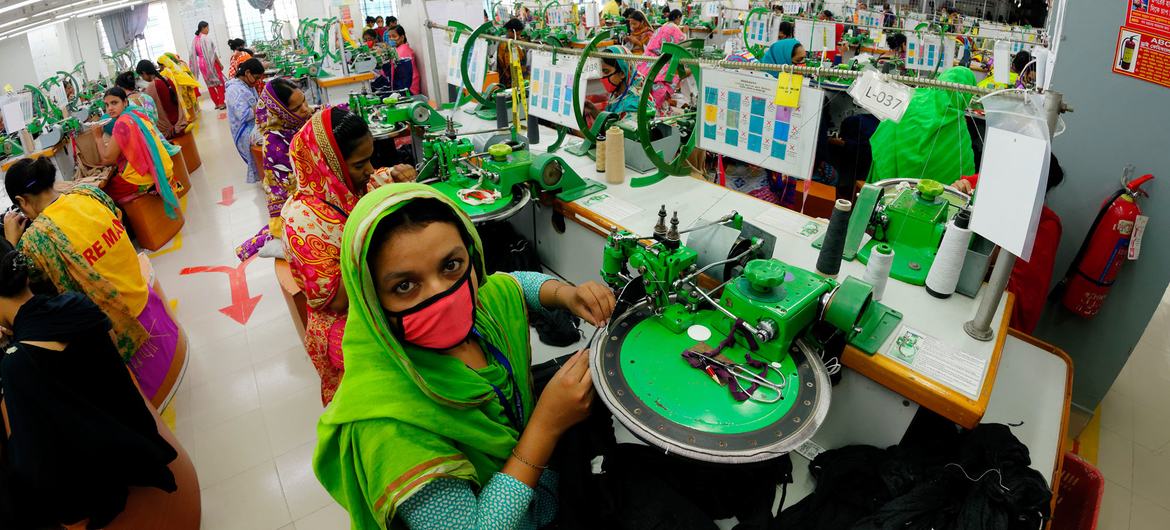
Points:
(909, 215)
(492, 184)
(732, 377)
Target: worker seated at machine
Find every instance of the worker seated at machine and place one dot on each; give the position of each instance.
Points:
(514, 29)
(621, 84)
(895, 59)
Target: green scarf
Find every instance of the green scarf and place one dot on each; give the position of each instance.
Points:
(931, 141)
(404, 416)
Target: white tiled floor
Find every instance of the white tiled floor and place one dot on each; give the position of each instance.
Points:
(248, 406)
(1134, 450)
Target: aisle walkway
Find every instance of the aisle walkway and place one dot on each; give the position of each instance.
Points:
(248, 406)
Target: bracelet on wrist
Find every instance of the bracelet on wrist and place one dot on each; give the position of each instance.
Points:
(527, 463)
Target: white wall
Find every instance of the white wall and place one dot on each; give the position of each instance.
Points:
(16, 63)
(86, 46)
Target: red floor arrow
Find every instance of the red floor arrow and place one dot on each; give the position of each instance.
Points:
(229, 196)
(242, 304)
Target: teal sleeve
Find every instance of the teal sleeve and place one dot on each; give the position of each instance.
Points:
(530, 283)
(505, 504)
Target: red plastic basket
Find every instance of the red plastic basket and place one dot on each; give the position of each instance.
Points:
(1078, 500)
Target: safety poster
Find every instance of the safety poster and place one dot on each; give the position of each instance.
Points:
(1143, 44)
(741, 120)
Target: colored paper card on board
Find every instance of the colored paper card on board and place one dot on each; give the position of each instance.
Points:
(788, 89)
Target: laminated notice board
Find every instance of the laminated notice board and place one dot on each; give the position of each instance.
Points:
(551, 86)
(741, 120)
(476, 66)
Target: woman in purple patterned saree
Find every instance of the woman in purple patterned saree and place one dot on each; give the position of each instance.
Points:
(281, 112)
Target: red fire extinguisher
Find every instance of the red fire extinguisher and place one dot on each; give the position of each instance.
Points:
(1128, 46)
(1099, 260)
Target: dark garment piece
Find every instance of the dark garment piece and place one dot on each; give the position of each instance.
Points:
(641, 488)
(853, 159)
(82, 434)
(937, 477)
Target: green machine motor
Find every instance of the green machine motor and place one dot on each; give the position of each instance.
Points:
(496, 187)
(910, 216)
(656, 362)
(390, 113)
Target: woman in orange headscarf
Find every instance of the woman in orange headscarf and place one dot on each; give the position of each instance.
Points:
(331, 160)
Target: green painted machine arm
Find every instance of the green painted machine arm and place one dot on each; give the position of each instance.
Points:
(326, 29)
(42, 107)
(601, 36)
(671, 54)
(468, 50)
(756, 50)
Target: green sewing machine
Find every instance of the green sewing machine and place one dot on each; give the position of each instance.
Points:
(390, 113)
(490, 185)
(908, 214)
(732, 377)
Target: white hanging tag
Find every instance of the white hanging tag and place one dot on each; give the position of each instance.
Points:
(1135, 240)
(884, 98)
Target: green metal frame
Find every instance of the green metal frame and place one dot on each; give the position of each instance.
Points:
(756, 50)
(468, 49)
(677, 166)
(590, 136)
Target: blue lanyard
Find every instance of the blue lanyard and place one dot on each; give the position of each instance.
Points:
(515, 412)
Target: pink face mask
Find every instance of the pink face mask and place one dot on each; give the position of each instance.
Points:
(442, 321)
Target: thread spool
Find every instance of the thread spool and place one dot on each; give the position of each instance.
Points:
(533, 130)
(829, 260)
(615, 155)
(877, 271)
(502, 113)
(600, 157)
(948, 263)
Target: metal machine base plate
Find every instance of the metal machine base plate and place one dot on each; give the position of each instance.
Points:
(641, 377)
(503, 208)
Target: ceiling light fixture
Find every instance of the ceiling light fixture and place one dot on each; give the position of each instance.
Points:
(95, 10)
(67, 6)
(17, 6)
(11, 22)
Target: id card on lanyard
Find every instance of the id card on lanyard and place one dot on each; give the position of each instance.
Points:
(515, 409)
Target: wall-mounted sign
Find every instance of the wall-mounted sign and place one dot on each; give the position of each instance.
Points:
(1143, 55)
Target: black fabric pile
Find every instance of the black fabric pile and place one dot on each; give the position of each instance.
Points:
(938, 477)
(81, 433)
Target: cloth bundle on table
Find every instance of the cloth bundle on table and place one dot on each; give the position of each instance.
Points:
(277, 126)
(936, 477)
(186, 86)
(81, 436)
(241, 102)
(931, 141)
(60, 242)
(205, 60)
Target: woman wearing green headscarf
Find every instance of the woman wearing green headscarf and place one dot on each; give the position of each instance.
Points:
(931, 141)
(435, 424)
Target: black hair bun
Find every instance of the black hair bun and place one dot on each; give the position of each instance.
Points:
(13, 273)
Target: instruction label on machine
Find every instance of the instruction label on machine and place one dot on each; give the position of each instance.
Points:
(939, 361)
